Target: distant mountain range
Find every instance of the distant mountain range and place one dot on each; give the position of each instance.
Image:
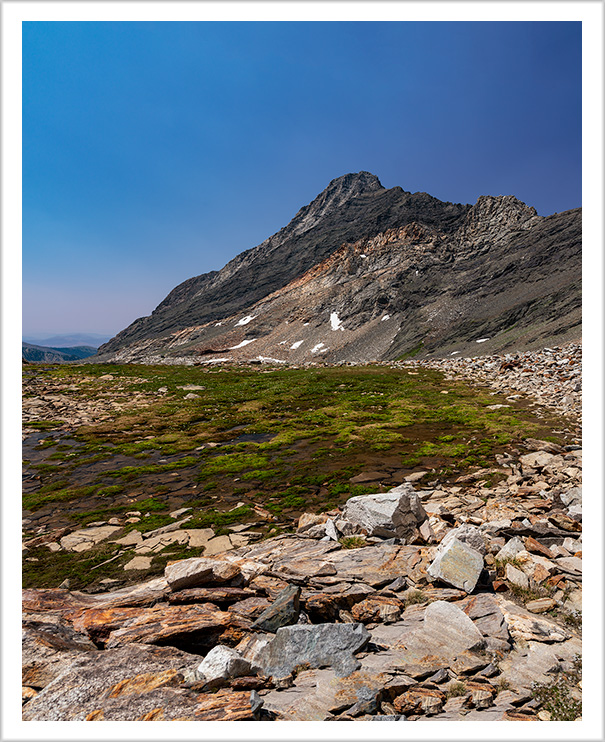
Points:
(43, 354)
(67, 341)
(366, 273)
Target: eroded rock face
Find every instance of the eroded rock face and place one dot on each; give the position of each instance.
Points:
(120, 684)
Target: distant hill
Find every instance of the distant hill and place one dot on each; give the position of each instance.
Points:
(43, 354)
(76, 339)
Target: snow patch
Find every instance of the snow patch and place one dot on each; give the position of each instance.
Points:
(216, 360)
(416, 272)
(245, 320)
(283, 342)
(335, 322)
(241, 345)
(482, 340)
(296, 345)
(270, 360)
(363, 256)
(454, 352)
(306, 323)
(219, 324)
(318, 348)
(386, 317)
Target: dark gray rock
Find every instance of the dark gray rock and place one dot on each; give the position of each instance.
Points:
(284, 611)
(320, 645)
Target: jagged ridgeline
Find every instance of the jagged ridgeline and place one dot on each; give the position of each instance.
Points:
(368, 273)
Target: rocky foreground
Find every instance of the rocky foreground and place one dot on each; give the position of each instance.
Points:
(431, 602)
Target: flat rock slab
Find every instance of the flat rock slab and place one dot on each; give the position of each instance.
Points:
(430, 639)
(197, 626)
(317, 694)
(378, 565)
(123, 685)
(534, 661)
(319, 645)
(526, 626)
(138, 562)
(86, 538)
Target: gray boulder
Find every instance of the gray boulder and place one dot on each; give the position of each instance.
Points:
(318, 645)
(397, 513)
(457, 564)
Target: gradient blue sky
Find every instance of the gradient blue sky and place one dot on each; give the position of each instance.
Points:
(153, 152)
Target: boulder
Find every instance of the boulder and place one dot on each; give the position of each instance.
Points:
(469, 535)
(397, 513)
(223, 663)
(199, 571)
(318, 645)
(284, 611)
(457, 564)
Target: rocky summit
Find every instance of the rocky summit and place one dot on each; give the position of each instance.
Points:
(365, 273)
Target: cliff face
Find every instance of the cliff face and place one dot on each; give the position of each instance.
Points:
(365, 273)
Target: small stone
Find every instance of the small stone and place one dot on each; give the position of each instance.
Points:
(541, 605)
(517, 577)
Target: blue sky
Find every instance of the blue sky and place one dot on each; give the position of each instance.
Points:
(153, 152)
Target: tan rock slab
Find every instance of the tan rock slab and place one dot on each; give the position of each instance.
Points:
(134, 537)
(139, 562)
(199, 536)
(199, 571)
(526, 626)
(157, 543)
(217, 545)
(86, 538)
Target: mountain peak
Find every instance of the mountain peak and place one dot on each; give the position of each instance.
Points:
(338, 192)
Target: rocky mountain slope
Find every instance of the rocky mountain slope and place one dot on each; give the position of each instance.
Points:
(365, 273)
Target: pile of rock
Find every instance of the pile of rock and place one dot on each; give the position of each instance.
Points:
(552, 376)
(452, 603)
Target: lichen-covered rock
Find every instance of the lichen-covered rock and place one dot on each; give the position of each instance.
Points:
(457, 564)
(123, 684)
(319, 645)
